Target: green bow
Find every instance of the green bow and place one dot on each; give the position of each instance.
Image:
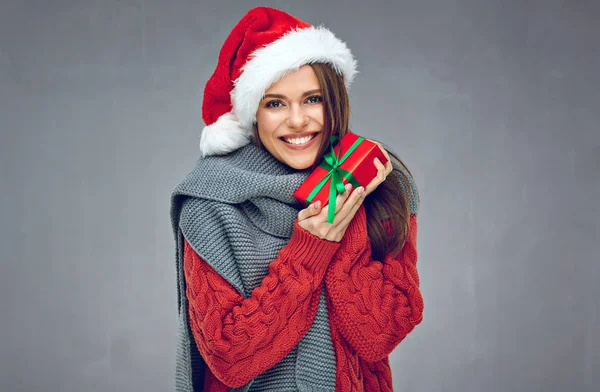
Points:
(332, 165)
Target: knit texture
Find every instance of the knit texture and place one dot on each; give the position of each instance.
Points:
(373, 305)
(242, 338)
(246, 205)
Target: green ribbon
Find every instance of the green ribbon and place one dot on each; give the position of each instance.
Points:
(332, 164)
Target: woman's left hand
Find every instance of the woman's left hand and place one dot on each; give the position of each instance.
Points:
(382, 170)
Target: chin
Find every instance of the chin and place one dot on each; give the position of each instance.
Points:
(300, 165)
(300, 162)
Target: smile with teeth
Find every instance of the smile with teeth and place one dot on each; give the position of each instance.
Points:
(299, 140)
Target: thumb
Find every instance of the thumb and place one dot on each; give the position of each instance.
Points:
(309, 211)
(314, 208)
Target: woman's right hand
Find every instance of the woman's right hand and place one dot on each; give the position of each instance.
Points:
(314, 218)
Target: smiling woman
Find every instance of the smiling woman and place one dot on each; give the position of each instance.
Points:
(289, 119)
(272, 297)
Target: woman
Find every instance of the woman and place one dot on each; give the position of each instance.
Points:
(271, 296)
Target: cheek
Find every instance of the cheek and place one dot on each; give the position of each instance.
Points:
(266, 128)
(316, 113)
(268, 121)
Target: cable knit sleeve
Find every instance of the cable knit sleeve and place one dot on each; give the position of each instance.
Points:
(375, 304)
(240, 338)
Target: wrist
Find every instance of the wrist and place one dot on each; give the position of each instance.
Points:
(308, 248)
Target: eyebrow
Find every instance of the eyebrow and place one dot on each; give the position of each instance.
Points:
(283, 96)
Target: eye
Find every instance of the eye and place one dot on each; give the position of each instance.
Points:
(314, 99)
(273, 104)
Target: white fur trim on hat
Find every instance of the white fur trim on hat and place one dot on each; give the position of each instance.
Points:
(223, 136)
(269, 64)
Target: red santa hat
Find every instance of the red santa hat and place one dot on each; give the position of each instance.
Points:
(264, 45)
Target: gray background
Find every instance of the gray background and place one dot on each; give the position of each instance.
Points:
(494, 106)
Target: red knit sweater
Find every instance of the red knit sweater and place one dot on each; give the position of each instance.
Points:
(372, 306)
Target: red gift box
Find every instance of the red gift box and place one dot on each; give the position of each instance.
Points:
(359, 163)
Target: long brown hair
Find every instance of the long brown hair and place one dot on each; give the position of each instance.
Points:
(389, 198)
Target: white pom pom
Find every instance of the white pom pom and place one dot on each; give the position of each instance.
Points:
(223, 136)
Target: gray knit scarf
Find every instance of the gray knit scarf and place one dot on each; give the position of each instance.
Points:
(237, 212)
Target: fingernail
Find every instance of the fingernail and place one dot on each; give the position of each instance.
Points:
(360, 190)
(348, 187)
(377, 160)
(317, 205)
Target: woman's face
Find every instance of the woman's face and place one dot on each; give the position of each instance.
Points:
(290, 118)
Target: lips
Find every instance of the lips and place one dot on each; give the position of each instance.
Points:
(303, 145)
(298, 135)
(300, 140)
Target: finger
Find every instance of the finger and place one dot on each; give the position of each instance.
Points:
(339, 201)
(380, 169)
(309, 211)
(387, 169)
(342, 197)
(352, 204)
(345, 221)
(388, 164)
(378, 179)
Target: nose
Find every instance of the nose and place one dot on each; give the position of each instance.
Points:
(297, 117)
